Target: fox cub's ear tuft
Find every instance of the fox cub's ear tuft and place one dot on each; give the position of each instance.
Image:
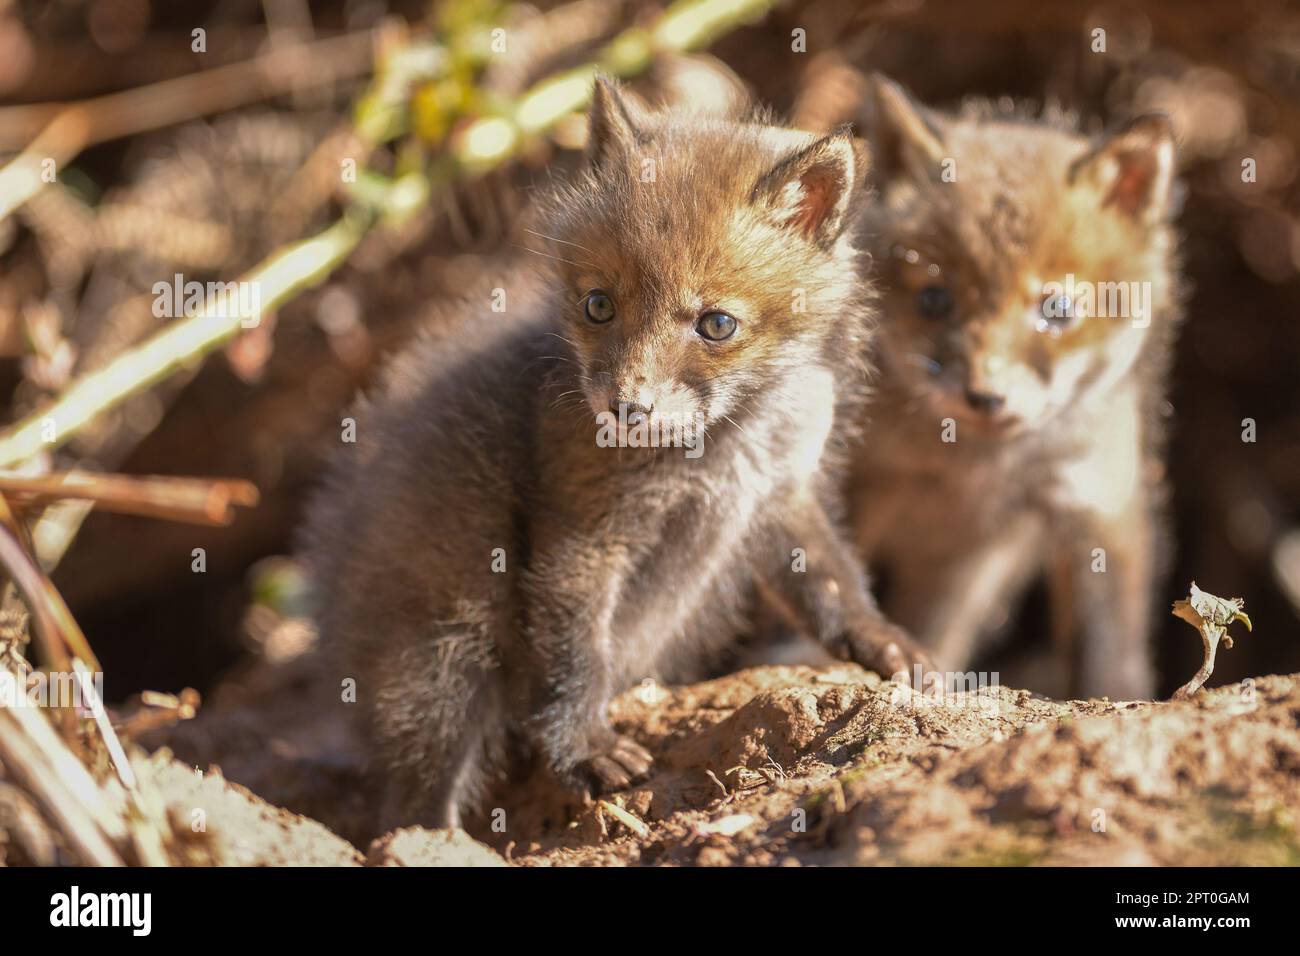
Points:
(613, 125)
(1132, 169)
(814, 190)
(906, 138)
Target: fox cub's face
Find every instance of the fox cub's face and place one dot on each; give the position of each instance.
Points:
(1021, 263)
(701, 261)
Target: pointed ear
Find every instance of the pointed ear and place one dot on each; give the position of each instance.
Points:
(906, 138)
(1133, 169)
(813, 190)
(611, 125)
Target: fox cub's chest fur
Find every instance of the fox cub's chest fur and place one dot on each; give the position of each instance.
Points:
(502, 553)
(1029, 304)
(679, 535)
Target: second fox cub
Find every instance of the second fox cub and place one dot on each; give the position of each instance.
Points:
(1029, 307)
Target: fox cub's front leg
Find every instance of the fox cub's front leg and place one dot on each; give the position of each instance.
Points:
(1106, 556)
(822, 581)
(569, 636)
(1101, 585)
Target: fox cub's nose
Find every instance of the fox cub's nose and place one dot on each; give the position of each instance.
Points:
(634, 412)
(984, 402)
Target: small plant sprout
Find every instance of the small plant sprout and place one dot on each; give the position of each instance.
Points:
(1211, 616)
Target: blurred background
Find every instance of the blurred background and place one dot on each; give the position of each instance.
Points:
(201, 138)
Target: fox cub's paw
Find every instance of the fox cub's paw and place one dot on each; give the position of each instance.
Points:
(615, 763)
(887, 649)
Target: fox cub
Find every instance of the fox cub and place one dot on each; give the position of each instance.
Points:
(1029, 305)
(506, 546)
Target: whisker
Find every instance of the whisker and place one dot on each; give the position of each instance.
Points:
(542, 235)
(538, 252)
(567, 342)
(737, 424)
(564, 399)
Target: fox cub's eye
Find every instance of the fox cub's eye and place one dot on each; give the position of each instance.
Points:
(716, 326)
(1057, 312)
(935, 302)
(598, 306)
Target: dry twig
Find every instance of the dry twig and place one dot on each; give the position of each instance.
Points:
(209, 501)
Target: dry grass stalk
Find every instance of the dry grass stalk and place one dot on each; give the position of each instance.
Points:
(35, 757)
(622, 816)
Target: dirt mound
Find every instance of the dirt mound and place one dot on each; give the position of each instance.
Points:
(798, 765)
(233, 827)
(414, 846)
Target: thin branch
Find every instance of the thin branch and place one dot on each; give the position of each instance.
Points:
(181, 344)
(51, 618)
(686, 25)
(194, 500)
(54, 650)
